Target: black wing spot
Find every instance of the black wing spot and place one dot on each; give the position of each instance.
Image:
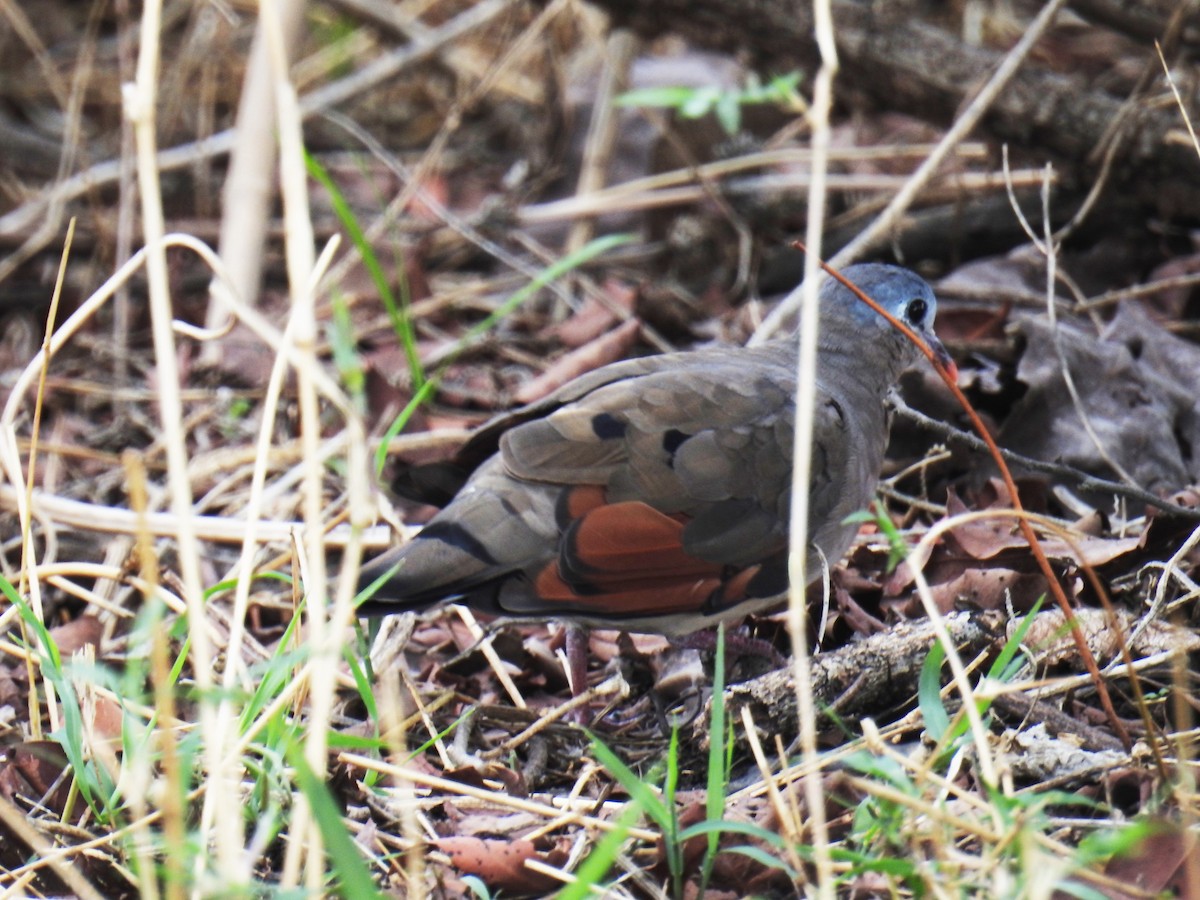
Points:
(607, 427)
(457, 536)
(672, 440)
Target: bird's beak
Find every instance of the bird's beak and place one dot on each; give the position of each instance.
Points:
(943, 357)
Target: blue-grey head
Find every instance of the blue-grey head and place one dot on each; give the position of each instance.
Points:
(904, 294)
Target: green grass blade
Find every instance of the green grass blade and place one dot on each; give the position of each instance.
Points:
(551, 273)
(397, 310)
(723, 826)
(929, 694)
(90, 779)
(765, 859)
(350, 869)
(593, 869)
(637, 789)
(717, 759)
(999, 668)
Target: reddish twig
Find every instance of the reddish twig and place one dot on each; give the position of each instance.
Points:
(1027, 531)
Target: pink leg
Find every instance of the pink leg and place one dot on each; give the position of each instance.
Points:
(736, 645)
(577, 666)
(577, 658)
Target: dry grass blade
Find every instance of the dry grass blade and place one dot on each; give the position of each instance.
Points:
(962, 126)
(802, 463)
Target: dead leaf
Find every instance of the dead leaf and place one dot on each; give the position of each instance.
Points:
(594, 318)
(610, 348)
(489, 823)
(1173, 302)
(501, 863)
(985, 589)
(1039, 756)
(1165, 862)
(72, 636)
(34, 769)
(1147, 425)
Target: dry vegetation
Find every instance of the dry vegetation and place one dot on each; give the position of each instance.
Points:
(193, 472)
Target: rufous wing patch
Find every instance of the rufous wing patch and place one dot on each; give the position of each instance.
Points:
(625, 600)
(575, 502)
(625, 541)
(627, 559)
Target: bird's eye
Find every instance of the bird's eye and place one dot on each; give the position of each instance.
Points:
(917, 310)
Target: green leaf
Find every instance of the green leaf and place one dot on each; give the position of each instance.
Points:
(763, 858)
(929, 694)
(345, 354)
(397, 310)
(729, 113)
(551, 273)
(600, 860)
(782, 89)
(718, 776)
(862, 862)
(723, 826)
(362, 683)
(699, 103)
(656, 97)
(1082, 891)
(478, 888)
(353, 877)
(880, 767)
(999, 667)
(1105, 844)
(92, 781)
(646, 796)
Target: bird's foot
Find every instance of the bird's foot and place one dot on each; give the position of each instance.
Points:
(737, 646)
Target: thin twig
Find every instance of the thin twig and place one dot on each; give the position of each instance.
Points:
(1081, 480)
(331, 95)
(806, 398)
(602, 130)
(888, 219)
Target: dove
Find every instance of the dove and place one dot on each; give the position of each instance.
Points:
(653, 495)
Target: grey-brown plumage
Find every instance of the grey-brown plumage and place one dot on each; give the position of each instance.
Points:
(654, 494)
